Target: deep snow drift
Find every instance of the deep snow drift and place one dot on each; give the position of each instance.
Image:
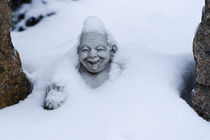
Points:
(142, 102)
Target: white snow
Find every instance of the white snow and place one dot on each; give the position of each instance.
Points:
(93, 24)
(142, 102)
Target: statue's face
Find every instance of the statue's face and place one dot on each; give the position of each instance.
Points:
(94, 53)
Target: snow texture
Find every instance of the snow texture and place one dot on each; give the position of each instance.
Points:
(140, 102)
(94, 24)
(38, 8)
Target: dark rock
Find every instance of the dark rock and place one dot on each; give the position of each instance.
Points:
(21, 17)
(21, 29)
(31, 21)
(201, 49)
(14, 85)
(15, 4)
(201, 101)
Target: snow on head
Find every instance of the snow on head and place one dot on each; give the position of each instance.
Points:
(94, 24)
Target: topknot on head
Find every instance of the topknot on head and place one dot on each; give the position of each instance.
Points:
(93, 24)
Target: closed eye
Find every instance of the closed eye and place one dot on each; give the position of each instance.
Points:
(101, 48)
(85, 49)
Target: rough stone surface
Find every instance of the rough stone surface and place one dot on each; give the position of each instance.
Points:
(201, 101)
(201, 50)
(14, 85)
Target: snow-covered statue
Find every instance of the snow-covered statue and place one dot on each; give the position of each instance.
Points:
(95, 49)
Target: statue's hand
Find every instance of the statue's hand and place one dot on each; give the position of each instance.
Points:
(54, 97)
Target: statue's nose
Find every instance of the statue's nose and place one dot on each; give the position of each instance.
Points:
(93, 53)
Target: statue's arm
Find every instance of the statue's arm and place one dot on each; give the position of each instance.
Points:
(54, 97)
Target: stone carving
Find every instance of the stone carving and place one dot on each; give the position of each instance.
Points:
(95, 57)
(201, 50)
(14, 85)
(95, 50)
(201, 101)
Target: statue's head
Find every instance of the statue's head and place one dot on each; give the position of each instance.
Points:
(95, 49)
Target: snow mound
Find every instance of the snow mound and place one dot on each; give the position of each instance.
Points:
(93, 24)
(143, 102)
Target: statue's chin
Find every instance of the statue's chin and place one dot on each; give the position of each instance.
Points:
(94, 70)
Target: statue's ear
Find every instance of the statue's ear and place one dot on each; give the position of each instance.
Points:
(114, 48)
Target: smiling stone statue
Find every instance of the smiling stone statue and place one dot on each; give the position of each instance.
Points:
(95, 56)
(94, 53)
(96, 49)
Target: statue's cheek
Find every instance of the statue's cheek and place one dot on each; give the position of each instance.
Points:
(104, 54)
(83, 55)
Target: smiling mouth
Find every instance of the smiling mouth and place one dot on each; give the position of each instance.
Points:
(94, 63)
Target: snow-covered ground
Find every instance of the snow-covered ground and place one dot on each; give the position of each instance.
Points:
(155, 43)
